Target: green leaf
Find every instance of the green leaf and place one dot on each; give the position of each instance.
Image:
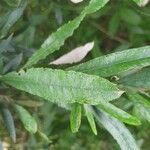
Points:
(63, 87)
(140, 79)
(75, 117)
(5, 43)
(141, 105)
(118, 113)
(13, 64)
(30, 103)
(119, 132)
(127, 15)
(57, 39)
(44, 137)
(116, 63)
(13, 16)
(27, 120)
(142, 112)
(113, 25)
(138, 99)
(90, 118)
(9, 122)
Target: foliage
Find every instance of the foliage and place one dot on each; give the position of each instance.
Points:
(110, 86)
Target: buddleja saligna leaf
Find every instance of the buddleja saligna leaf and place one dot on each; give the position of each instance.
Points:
(138, 99)
(27, 120)
(9, 122)
(139, 79)
(118, 113)
(116, 63)
(12, 18)
(141, 105)
(57, 39)
(119, 132)
(63, 87)
(5, 44)
(142, 112)
(44, 136)
(75, 117)
(90, 118)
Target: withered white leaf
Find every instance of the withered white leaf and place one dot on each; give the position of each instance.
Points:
(143, 3)
(76, 1)
(76, 55)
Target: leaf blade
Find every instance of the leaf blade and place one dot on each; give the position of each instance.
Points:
(134, 79)
(57, 39)
(118, 113)
(116, 63)
(75, 118)
(119, 132)
(9, 122)
(27, 120)
(51, 85)
(90, 118)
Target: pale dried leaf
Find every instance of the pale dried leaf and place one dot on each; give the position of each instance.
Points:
(76, 1)
(76, 55)
(143, 3)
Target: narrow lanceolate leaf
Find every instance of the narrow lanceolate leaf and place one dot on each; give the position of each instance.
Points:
(30, 103)
(74, 56)
(12, 18)
(63, 87)
(27, 120)
(75, 117)
(90, 118)
(119, 132)
(14, 63)
(118, 113)
(138, 99)
(9, 122)
(5, 44)
(142, 112)
(44, 137)
(140, 79)
(116, 63)
(57, 39)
